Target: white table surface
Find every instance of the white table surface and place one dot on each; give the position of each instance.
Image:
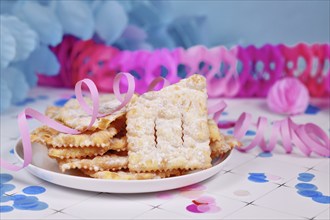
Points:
(235, 194)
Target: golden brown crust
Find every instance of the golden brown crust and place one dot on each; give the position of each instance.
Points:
(220, 144)
(66, 153)
(72, 115)
(53, 138)
(98, 163)
(126, 175)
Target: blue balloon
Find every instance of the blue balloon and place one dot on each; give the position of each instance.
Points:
(42, 19)
(76, 18)
(110, 20)
(187, 31)
(43, 61)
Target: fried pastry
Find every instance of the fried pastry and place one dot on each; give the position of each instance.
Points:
(72, 115)
(81, 152)
(126, 175)
(53, 138)
(98, 163)
(219, 143)
(168, 129)
(116, 144)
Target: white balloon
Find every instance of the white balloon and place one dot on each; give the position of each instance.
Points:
(26, 38)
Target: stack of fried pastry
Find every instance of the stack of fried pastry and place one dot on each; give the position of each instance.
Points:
(158, 134)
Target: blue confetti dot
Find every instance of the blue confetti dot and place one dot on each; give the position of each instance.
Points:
(42, 97)
(257, 177)
(5, 198)
(11, 151)
(224, 113)
(18, 197)
(33, 190)
(258, 174)
(305, 177)
(306, 186)
(5, 177)
(322, 199)
(250, 133)
(29, 99)
(40, 206)
(25, 102)
(265, 154)
(6, 208)
(312, 110)
(309, 193)
(60, 102)
(6, 188)
(30, 203)
(230, 132)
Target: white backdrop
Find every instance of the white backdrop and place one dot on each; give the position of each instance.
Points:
(260, 22)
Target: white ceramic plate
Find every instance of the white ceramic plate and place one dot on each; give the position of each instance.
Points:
(47, 169)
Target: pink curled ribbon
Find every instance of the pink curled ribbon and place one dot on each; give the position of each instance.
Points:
(29, 112)
(307, 137)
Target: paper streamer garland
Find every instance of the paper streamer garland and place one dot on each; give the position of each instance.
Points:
(308, 137)
(236, 72)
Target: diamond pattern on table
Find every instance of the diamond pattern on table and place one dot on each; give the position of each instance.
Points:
(257, 212)
(180, 203)
(60, 215)
(23, 214)
(236, 197)
(296, 158)
(324, 166)
(238, 187)
(323, 215)
(107, 206)
(60, 197)
(152, 199)
(286, 200)
(158, 213)
(238, 159)
(270, 166)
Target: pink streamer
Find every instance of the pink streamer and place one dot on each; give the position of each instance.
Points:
(307, 137)
(28, 112)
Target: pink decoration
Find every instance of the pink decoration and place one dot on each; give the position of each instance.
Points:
(308, 137)
(288, 96)
(241, 71)
(203, 204)
(29, 112)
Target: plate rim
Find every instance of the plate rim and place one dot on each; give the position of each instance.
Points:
(212, 171)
